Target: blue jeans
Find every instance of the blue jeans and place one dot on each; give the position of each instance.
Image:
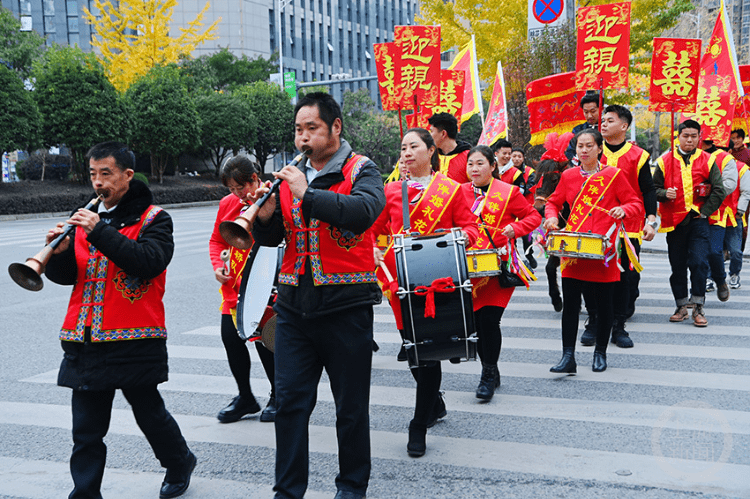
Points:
(715, 261)
(688, 248)
(733, 241)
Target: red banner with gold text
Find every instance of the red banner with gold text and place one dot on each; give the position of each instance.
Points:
(603, 51)
(675, 66)
(419, 71)
(388, 62)
(742, 109)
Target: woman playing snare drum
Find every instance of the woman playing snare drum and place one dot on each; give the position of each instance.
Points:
(599, 200)
(434, 202)
(241, 176)
(503, 214)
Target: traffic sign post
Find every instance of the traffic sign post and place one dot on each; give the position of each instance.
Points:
(290, 84)
(546, 14)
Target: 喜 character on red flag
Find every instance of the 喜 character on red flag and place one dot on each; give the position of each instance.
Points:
(675, 67)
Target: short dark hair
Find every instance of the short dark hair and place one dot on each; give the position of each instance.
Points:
(445, 121)
(589, 131)
(692, 124)
(500, 143)
(518, 149)
(124, 157)
(426, 137)
(622, 112)
(740, 133)
(328, 108)
(489, 155)
(592, 97)
(238, 168)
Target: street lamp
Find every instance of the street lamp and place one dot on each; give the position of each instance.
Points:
(282, 4)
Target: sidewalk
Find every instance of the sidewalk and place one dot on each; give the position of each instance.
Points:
(659, 245)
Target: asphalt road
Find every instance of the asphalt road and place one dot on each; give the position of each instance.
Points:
(670, 418)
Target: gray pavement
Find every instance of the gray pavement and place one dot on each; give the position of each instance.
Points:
(670, 418)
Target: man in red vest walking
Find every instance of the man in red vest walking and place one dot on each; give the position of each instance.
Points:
(689, 189)
(327, 287)
(114, 336)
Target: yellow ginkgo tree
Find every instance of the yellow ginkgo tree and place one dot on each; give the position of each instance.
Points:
(133, 37)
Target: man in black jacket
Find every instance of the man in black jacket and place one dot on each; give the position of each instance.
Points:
(114, 335)
(590, 106)
(327, 288)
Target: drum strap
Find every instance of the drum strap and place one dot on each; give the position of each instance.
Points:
(405, 205)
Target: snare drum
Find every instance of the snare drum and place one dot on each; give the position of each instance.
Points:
(450, 335)
(484, 262)
(577, 244)
(257, 290)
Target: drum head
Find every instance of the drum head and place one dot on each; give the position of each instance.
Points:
(268, 334)
(255, 289)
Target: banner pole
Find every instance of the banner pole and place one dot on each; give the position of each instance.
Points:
(601, 102)
(671, 148)
(400, 123)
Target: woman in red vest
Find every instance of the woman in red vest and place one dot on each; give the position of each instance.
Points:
(241, 176)
(435, 202)
(503, 214)
(598, 201)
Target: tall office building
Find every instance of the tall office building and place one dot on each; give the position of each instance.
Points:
(319, 38)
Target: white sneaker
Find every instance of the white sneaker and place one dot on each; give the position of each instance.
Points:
(710, 285)
(734, 281)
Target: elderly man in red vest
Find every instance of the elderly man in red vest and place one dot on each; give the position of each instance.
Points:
(114, 336)
(327, 287)
(689, 189)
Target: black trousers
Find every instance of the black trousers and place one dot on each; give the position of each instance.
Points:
(239, 358)
(342, 344)
(601, 294)
(626, 290)
(428, 378)
(688, 248)
(92, 412)
(489, 334)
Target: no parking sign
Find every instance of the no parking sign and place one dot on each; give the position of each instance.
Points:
(548, 14)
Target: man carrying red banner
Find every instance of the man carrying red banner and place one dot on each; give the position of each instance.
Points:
(689, 189)
(633, 162)
(590, 107)
(453, 153)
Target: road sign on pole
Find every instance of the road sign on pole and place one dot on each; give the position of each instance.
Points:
(544, 14)
(290, 84)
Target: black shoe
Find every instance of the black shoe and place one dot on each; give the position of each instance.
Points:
(438, 412)
(557, 302)
(269, 413)
(375, 346)
(531, 259)
(600, 361)
(237, 408)
(401, 357)
(348, 494)
(417, 444)
(588, 338)
(177, 481)
(488, 383)
(620, 337)
(567, 363)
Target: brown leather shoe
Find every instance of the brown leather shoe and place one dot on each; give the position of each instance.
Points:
(699, 318)
(680, 314)
(722, 291)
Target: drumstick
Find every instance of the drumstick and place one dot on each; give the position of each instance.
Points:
(598, 208)
(386, 272)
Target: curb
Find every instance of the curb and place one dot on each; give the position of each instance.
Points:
(32, 216)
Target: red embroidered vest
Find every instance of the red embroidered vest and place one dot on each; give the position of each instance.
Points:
(336, 256)
(629, 159)
(684, 178)
(114, 305)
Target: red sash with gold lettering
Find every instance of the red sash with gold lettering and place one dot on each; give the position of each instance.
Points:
(588, 199)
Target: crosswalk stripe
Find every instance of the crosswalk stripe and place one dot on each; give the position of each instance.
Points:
(521, 406)
(571, 463)
(509, 342)
(645, 327)
(663, 312)
(32, 479)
